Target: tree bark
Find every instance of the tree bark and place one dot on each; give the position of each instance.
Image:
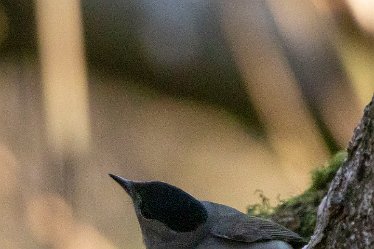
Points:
(345, 216)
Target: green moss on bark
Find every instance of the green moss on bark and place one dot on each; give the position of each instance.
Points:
(299, 213)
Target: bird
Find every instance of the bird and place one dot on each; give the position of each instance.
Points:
(170, 218)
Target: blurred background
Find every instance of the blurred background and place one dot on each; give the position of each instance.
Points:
(221, 98)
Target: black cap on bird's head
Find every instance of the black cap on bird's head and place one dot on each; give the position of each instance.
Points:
(168, 204)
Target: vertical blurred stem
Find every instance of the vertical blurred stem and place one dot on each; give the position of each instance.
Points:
(63, 74)
(65, 91)
(271, 84)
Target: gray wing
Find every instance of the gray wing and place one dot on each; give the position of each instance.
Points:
(229, 223)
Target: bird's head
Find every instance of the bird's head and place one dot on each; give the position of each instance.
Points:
(165, 203)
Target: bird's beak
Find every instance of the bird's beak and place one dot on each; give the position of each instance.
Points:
(125, 184)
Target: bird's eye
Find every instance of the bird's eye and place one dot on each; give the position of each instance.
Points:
(145, 211)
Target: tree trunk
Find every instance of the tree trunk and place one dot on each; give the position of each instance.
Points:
(346, 214)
